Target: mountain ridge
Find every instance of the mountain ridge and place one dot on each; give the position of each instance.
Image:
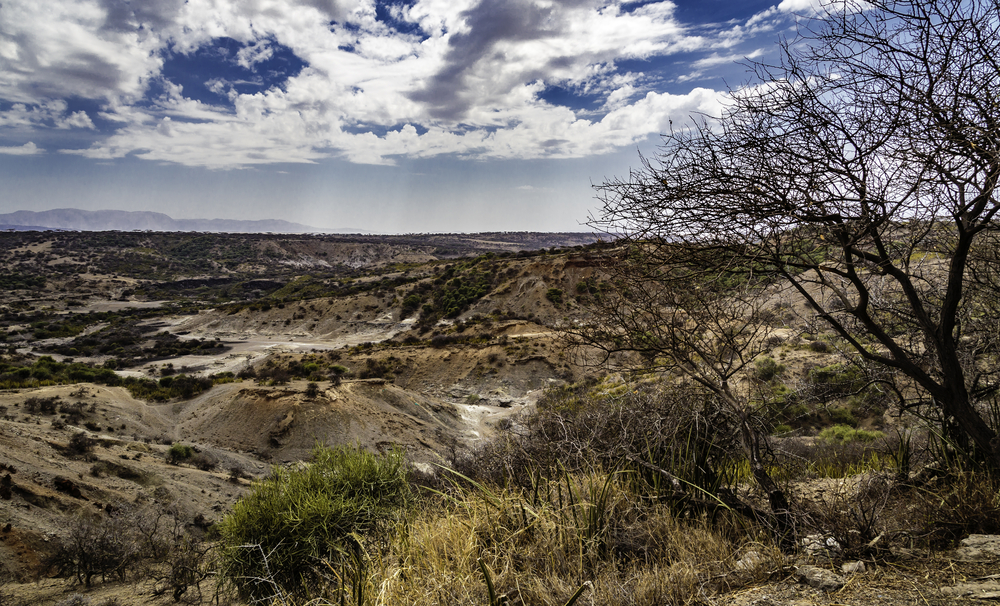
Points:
(127, 220)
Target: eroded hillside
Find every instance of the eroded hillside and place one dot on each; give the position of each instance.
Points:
(253, 349)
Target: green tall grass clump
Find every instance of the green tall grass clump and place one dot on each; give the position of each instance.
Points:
(846, 434)
(298, 523)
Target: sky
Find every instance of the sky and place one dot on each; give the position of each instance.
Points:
(382, 116)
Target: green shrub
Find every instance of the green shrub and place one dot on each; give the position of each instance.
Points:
(410, 305)
(843, 416)
(784, 406)
(279, 534)
(379, 369)
(312, 390)
(589, 286)
(555, 295)
(177, 386)
(179, 452)
(819, 346)
(337, 373)
(846, 434)
(766, 369)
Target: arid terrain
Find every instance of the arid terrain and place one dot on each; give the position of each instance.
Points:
(426, 344)
(425, 396)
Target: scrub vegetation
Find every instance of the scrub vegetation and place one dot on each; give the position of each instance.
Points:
(788, 358)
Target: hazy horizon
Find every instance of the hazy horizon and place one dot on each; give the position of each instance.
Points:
(37, 221)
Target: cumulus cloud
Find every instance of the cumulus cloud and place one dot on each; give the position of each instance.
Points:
(504, 45)
(47, 114)
(812, 8)
(462, 77)
(62, 49)
(76, 120)
(28, 149)
(800, 6)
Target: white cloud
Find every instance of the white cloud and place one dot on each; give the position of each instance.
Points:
(814, 8)
(76, 120)
(248, 56)
(800, 6)
(701, 66)
(28, 149)
(60, 48)
(47, 114)
(468, 81)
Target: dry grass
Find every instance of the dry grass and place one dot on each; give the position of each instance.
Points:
(541, 546)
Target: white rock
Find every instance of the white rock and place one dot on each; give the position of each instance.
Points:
(820, 578)
(750, 561)
(852, 567)
(819, 546)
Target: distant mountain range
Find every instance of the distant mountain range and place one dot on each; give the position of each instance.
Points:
(123, 220)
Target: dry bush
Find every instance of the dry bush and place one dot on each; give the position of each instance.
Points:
(542, 544)
(237, 473)
(102, 469)
(854, 511)
(189, 562)
(81, 444)
(44, 406)
(480, 543)
(312, 389)
(819, 346)
(646, 428)
(100, 545)
(129, 542)
(379, 369)
(956, 504)
(204, 461)
(74, 412)
(870, 512)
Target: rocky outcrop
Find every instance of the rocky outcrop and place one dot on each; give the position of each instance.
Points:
(979, 548)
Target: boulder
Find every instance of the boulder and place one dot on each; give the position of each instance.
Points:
(820, 578)
(981, 591)
(979, 548)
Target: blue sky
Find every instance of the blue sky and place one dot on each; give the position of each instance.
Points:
(384, 116)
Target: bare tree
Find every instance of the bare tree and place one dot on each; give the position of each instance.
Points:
(706, 327)
(862, 171)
